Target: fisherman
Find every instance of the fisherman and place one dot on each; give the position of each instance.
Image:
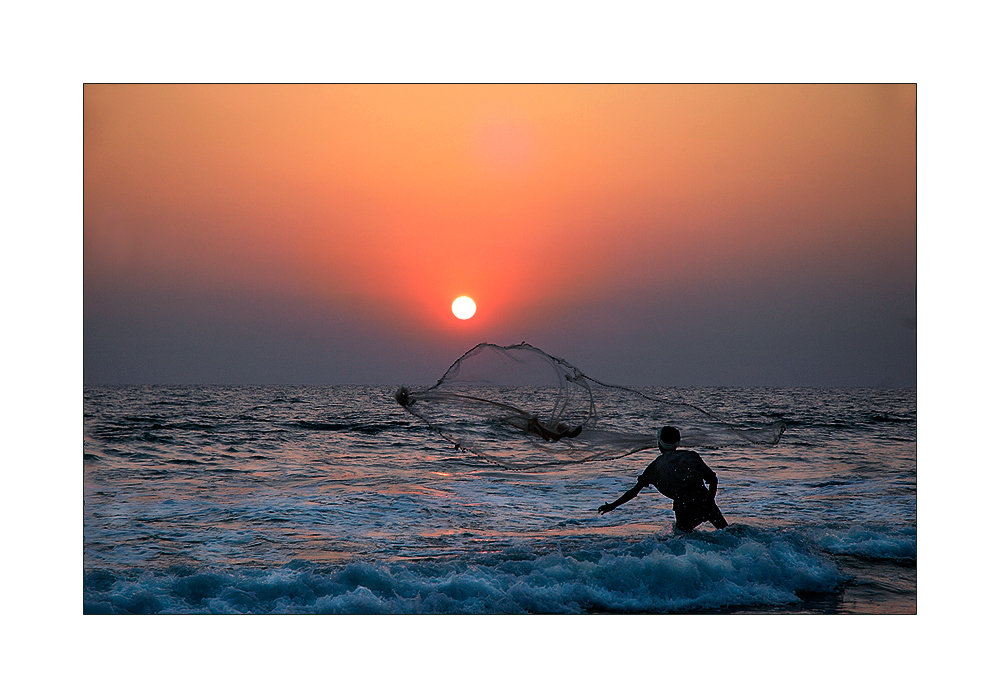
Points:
(680, 475)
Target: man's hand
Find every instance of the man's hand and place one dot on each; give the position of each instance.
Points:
(604, 508)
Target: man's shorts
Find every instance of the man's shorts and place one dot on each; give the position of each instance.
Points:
(696, 507)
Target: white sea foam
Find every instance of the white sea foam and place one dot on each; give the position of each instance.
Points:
(743, 568)
(873, 543)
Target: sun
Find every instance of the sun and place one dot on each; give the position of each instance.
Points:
(463, 307)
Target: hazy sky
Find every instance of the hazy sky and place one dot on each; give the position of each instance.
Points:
(649, 234)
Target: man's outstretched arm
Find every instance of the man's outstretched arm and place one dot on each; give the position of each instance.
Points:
(605, 508)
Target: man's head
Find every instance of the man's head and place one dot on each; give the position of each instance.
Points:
(667, 438)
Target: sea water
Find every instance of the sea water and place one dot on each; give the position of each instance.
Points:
(305, 499)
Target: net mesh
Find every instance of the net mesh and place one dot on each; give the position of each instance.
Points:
(519, 407)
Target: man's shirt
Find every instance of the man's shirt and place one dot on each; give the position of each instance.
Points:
(678, 473)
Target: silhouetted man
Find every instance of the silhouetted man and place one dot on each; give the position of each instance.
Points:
(680, 475)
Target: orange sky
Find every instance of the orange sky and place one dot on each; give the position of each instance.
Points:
(385, 202)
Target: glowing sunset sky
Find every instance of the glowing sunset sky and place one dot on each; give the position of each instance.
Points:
(649, 234)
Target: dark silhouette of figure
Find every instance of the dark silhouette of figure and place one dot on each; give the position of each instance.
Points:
(538, 429)
(680, 475)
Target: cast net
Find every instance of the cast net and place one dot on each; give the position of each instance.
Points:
(520, 407)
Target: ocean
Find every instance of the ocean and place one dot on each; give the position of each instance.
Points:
(309, 499)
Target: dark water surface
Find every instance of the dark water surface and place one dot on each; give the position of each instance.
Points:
(333, 499)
